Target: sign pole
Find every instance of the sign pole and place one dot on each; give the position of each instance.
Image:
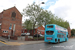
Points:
(9, 33)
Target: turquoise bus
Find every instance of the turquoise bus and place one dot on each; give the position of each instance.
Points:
(55, 33)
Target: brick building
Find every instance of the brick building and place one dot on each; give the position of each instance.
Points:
(10, 18)
(39, 30)
(69, 31)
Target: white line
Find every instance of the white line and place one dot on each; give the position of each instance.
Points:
(68, 47)
(49, 47)
(40, 49)
(46, 48)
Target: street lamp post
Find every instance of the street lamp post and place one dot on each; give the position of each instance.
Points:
(43, 3)
(37, 30)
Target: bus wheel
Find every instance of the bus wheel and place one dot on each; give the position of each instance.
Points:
(65, 40)
(58, 40)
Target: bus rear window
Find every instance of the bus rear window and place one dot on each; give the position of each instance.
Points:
(49, 32)
(49, 26)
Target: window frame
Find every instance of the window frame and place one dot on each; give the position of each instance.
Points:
(5, 31)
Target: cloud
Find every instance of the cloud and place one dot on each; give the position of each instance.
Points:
(64, 9)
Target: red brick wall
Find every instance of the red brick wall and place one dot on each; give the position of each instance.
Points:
(31, 31)
(69, 31)
(41, 29)
(7, 19)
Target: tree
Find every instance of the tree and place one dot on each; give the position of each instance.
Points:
(39, 16)
(58, 21)
(36, 14)
(72, 32)
(44, 18)
(32, 11)
(28, 24)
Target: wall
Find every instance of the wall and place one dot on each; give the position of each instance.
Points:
(7, 19)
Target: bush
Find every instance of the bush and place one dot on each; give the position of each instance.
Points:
(38, 38)
(41, 37)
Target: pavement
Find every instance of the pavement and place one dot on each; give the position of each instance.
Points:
(17, 42)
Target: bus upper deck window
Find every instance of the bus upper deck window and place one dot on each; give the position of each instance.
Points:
(49, 26)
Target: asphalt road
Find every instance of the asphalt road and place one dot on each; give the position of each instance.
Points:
(1, 44)
(69, 45)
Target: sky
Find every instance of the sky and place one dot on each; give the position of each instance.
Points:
(64, 9)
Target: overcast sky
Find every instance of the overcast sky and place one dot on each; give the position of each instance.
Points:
(61, 8)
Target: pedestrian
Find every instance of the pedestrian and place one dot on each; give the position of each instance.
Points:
(8, 37)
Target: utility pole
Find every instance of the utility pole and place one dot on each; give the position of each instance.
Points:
(37, 30)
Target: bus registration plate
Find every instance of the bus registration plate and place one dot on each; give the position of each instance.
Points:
(48, 41)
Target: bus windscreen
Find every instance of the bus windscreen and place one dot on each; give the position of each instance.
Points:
(49, 32)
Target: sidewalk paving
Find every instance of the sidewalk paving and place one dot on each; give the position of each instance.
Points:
(17, 42)
(6, 40)
(24, 43)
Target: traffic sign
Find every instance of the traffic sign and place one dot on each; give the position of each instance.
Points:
(10, 28)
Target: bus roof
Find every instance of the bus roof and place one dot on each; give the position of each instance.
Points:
(56, 25)
(51, 24)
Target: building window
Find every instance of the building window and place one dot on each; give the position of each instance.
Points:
(13, 15)
(0, 25)
(5, 31)
(10, 25)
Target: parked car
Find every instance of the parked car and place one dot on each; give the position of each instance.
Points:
(35, 35)
(23, 34)
(27, 33)
(41, 35)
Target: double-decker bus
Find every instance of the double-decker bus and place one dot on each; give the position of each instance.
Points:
(55, 33)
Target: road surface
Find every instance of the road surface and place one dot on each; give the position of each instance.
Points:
(69, 45)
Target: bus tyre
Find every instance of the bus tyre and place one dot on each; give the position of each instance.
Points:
(65, 40)
(58, 40)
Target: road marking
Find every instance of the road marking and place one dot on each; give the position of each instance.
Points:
(49, 47)
(68, 47)
(3, 42)
(46, 48)
(65, 47)
(12, 43)
(40, 49)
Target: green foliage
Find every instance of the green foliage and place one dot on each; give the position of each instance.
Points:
(59, 21)
(72, 32)
(39, 16)
(28, 24)
(39, 37)
(33, 11)
(43, 18)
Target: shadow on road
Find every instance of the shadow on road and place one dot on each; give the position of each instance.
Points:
(53, 43)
